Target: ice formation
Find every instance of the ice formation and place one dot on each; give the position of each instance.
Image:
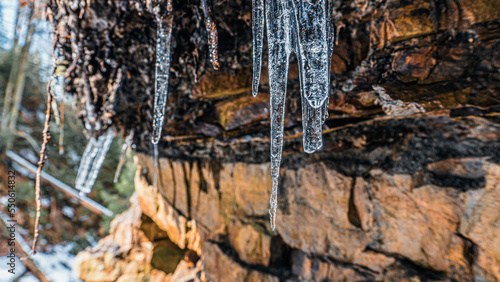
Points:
(302, 27)
(56, 82)
(92, 160)
(164, 35)
(258, 38)
(155, 164)
(212, 33)
(121, 162)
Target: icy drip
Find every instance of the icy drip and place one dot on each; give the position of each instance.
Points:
(92, 160)
(302, 27)
(57, 88)
(213, 37)
(155, 161)
(121, 162)
(258, 38)
(279, 43)
(164, 35)
(312, 47)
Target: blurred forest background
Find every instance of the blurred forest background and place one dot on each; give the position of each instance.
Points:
(25, 67)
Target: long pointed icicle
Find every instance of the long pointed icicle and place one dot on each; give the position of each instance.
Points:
(258, 39)
(303, 27)
(213, 37)
(99, 158)
(86, 163)
(164, 36)
(279, 44)
(92, 160)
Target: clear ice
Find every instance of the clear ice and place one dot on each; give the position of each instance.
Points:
(213, 37)
(121, 162)
(302, 27)
(155, 161)
(258, 38)
(92, 160)
(164, 36)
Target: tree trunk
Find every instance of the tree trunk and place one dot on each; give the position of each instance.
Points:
(21, 76)
(406, 186)
(12, 75)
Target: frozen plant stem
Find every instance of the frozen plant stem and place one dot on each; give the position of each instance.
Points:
(212, 33)
(121, 162)
(57, 87)
(302, 27)
(164, 36)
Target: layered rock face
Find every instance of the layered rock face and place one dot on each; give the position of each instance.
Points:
(439, 223)
(429, 216)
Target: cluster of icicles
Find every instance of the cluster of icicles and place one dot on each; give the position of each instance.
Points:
(302, 27)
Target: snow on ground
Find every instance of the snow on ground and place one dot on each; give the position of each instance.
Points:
(56, 266)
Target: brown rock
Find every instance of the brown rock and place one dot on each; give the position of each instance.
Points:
(416, 223)
(316, 269)
(414, 65)
(216, 263)
(465, 168)
(242, 111)
(482, 225)
(316, 219)
(251, 246)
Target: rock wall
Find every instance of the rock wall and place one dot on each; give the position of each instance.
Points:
(432, 215)
(331, 225)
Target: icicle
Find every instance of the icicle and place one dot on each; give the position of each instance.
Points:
(305, 28)
(57, 87)
(155, 163)
(61, 128)
(103, 143)
(164, 35)
(312, 27)
(92, 160)
(86, 163)
(312, 48)
(258, 38)
(312, 123)
(279, 44)
(57, 119)
(213, 37)
(121, 162)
